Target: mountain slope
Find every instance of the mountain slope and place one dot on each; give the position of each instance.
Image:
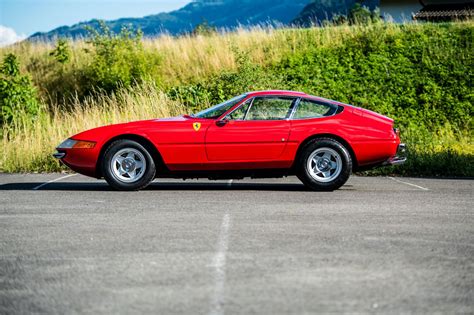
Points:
(219, 13)
(320, 10)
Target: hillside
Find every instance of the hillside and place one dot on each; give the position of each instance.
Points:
(219, 13)
(417, 74)
(319, 10)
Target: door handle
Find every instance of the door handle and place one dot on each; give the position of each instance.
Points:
(222, 122)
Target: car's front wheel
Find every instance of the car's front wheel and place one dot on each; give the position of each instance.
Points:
(127, 165)
(324, 164)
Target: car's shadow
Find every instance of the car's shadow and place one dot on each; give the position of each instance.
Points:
(157, 186)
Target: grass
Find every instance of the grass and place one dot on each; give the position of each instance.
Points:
(185, 59)
(446, 153)
(419, 74)
(28, 148)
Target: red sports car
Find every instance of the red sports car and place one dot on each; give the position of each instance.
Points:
(256, 134)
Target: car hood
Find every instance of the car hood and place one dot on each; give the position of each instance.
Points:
(177, 118)
(100, 133)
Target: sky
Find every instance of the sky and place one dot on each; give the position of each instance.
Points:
(22, 18)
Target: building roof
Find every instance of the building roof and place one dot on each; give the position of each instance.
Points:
(446, 12)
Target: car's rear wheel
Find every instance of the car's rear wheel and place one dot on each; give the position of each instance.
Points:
(127, 165)
(324, 164)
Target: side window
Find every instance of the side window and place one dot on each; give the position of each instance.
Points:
(313, 109)
(269, 108)
(239, 113)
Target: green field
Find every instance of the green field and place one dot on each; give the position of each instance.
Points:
(419, 74)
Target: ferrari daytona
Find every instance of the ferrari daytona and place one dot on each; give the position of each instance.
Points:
(256, 134)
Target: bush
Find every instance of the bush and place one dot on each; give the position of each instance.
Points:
(118, 60)
(204, 29)
(62, 52)
(409, 75)
(419, 74)
(17, 95)
(247, 77)
(360, 14)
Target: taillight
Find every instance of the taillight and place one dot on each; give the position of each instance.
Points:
(397, 132)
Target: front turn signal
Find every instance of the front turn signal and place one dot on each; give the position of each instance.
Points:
(83, 144)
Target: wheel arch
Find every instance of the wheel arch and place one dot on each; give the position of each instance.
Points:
(155, 154)
(344, 142)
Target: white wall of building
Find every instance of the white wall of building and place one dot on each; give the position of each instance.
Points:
(399, 11)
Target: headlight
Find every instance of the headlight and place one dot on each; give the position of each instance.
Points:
(76, 144)
(67, 144)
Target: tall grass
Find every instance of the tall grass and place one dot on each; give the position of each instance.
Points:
(28, 146)
(419, 74)
(445, 151)
(188, 58)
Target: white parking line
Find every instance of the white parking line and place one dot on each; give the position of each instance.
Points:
(218, 263)
(410, 184)
(229, 183)
(52, 181)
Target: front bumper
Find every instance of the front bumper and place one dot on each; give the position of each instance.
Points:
(79, 160)
(400, 157)
(59, 155)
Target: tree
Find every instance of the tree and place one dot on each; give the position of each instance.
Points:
(204, 29)
(360, 14)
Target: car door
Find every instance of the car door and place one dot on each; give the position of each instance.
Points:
(256, 131)
(180, 141)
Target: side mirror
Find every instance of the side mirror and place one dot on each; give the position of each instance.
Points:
(222, 122)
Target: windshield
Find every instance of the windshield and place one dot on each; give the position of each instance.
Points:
(217, 110)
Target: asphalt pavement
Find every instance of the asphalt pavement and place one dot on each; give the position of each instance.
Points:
(69, 244)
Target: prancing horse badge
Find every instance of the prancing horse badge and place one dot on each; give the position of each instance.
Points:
(197, 126)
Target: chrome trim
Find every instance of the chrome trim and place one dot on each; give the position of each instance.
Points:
(296, 99)
(396, 160)
(59, 155)
(237, 106)
(236, 109)
(293, 109)
(400, 158)
(402, 148)
(315, 101)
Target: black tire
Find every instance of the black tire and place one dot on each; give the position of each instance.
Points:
(339, 156)
(120, 182)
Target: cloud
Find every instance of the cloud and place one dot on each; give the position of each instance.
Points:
(9, 36)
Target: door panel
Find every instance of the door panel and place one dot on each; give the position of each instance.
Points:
(181, 142)
(241, 140)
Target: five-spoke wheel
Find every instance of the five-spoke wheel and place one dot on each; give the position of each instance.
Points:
(324, 164)
(127, 165)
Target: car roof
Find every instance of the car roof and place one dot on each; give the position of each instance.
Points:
(291, 93)
(277, 92)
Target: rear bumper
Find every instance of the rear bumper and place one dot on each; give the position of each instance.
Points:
(400, 157)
